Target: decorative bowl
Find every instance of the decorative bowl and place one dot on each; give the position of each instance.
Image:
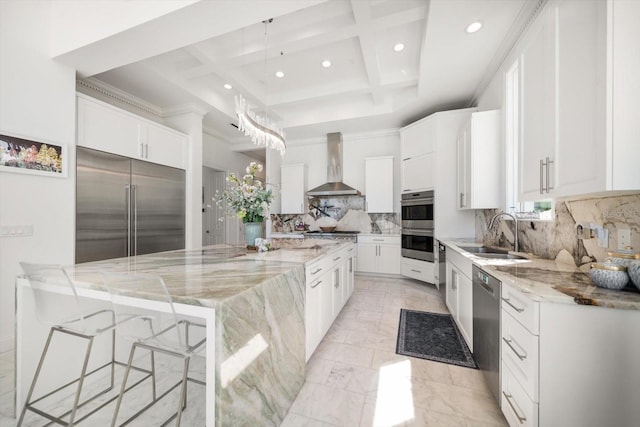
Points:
(634, 273)
(624, 257)
(327, 229)
(609, 275)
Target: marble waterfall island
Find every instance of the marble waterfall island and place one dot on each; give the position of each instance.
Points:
(253, 308)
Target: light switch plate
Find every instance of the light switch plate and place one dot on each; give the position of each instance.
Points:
(16, 230)
(624, 238)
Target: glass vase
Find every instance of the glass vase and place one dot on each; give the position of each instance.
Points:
(252, 231)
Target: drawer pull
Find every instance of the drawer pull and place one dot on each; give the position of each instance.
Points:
(520, 356)
(317, 283)
(416, 271)
(317, 271)
(336, 259)
(508, 301)
(521, 419)
(378, 240)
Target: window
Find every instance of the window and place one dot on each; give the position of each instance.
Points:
(542, 210)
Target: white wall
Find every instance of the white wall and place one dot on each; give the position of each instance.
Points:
(37, 101)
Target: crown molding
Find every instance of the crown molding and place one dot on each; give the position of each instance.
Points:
(123, 97)
(525, 17)
(119, 95)
(189, 108)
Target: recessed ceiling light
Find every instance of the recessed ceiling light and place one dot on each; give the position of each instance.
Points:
(326, 63)
(473, 27)
(279, 74)
(399, 47)
(227, 86)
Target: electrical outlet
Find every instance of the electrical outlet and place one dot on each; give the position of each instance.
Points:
(624, 238)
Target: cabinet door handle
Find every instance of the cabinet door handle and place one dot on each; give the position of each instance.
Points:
(141, 151)
(521, 418)
(541, 176)
(336, 259)
(508, 342)
(549, 162)
(146, 150)
(317, 283)
(508, 301)
(462, 200)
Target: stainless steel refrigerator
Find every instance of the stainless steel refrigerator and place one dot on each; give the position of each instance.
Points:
(126, 207)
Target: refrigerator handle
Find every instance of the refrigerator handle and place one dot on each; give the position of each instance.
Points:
(127, 200)
(135, 219)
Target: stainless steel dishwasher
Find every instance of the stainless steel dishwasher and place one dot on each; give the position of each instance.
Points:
(486, 328)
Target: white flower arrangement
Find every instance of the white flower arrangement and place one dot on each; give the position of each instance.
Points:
(246, 197)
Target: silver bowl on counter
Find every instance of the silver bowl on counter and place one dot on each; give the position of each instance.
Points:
(624, 257)
(634, 273)
(609, 275)
(630, 259)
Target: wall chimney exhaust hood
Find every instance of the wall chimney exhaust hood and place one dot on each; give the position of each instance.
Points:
(334, 186)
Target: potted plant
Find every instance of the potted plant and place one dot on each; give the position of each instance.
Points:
(247, 199)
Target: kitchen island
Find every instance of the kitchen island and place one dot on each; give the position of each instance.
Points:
(253, 305)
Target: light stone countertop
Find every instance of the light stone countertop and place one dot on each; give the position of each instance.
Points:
(548, 280)
(212, 274)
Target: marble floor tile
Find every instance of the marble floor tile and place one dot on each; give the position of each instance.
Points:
(397, 390)
(328, 404)
(346, 353)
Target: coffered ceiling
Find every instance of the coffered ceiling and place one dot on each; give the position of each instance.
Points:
(368, 86)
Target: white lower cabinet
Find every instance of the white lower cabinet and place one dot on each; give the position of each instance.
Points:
(329, 285)
(379, 254)
(517, 406)
(459, 294)
(567, 364)
(419, 270)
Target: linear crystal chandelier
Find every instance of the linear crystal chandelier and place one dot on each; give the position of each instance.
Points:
(260, 129)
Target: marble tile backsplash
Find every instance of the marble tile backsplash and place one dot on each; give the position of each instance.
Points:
(352, 219)
(559, 238)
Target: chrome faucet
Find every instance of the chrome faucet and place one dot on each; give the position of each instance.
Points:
(515, 222)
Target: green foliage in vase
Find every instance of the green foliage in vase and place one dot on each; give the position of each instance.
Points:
(246, 197)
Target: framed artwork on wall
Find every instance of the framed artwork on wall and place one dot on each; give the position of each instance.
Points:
(22, 155)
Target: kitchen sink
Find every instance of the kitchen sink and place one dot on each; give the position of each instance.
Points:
(488, 252)
(500, 256)
(483, 250)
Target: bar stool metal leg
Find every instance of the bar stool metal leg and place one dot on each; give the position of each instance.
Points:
(35, 377)
(124, 385)
(81, 382)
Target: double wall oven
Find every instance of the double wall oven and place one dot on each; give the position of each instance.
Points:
(417, 225)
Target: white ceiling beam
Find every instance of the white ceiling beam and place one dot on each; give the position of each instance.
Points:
(423, 61)
(199, 21)
(362, 15)
(287, 42)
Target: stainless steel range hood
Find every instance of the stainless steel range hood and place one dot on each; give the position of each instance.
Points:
(334, 186)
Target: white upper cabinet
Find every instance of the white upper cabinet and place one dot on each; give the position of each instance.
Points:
(537, 143)
(293, 185)
(417, 144)
(479, 161)
(578, 134)
(106, 128)
(379, 184)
